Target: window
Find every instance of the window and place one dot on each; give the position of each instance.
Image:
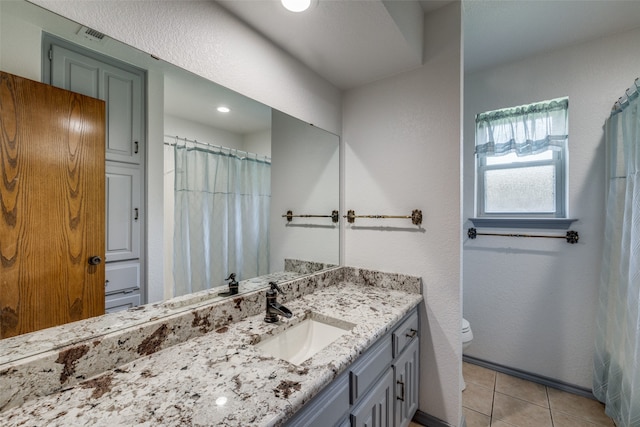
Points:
(521, 154)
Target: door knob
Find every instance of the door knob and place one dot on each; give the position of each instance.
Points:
(95, 260)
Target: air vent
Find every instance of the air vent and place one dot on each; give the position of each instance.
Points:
(91, 34)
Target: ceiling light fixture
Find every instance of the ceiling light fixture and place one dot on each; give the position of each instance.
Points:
(296, 5)
(223, 109)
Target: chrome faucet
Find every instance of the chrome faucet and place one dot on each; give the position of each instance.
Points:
(273, 308)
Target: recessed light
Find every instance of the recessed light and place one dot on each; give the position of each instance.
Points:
(296, 5)
(223, 109)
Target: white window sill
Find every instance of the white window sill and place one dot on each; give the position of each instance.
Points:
(536, 223)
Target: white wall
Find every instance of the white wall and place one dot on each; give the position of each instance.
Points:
(24, 58)
(177, 126)
(305, 178)
(531, 302)
(403, 143)
(258, 142)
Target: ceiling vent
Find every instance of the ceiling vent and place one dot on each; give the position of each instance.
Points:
(91, 34)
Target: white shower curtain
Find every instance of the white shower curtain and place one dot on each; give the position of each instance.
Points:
(617, 355)
(221, 217)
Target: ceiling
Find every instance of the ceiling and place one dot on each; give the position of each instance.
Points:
(353, 42)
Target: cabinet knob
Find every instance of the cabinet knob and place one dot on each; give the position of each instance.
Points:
(412, 333)
(95, 260)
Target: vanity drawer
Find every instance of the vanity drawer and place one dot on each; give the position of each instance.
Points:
(121, 302)
(366, 370)
(405, 333)
(121, 276)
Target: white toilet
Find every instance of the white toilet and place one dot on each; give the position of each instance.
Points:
(467, 337)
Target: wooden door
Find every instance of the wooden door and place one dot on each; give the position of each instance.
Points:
(52, 202)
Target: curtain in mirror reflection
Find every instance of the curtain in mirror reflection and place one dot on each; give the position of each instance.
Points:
(222, 206)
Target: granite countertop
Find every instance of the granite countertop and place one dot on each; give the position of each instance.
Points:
(220, 378)
(22, 346)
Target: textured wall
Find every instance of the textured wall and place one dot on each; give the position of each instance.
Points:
(531, 302)
(402, 141)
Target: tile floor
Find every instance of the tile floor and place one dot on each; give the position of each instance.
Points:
(494, 399)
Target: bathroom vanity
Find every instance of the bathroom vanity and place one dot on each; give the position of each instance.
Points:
(203, 364)
(379, 389)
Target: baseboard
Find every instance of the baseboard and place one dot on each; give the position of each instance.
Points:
(429, 420)
(550, 382)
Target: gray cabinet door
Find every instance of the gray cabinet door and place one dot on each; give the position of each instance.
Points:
(407, 379)
(376, 408)
(328, 409)
(122, 90)
(123, 212)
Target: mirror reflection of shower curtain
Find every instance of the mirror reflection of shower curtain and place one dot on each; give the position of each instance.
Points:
(616, 375)
(221, 218)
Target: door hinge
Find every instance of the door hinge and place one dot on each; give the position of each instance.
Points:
(50, 54)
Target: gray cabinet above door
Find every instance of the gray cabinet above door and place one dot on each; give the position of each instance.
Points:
(121, 89)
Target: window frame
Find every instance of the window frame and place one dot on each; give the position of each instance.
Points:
(558, 160)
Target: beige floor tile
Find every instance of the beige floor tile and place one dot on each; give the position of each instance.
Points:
(498, 423)
(578, 407)
(478, 375)
(563, 420)
(522, 389)
(520, 413)
(476, 419)
(478, 398)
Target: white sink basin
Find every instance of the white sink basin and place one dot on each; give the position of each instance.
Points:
(299, 342)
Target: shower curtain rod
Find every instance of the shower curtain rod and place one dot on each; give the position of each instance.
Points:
(213, 146)
(619, 104)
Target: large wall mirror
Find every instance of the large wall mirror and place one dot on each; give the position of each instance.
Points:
(302, 167)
